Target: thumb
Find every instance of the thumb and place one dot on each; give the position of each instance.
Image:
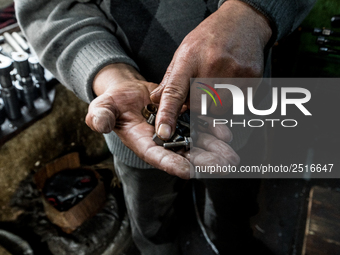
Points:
(102, 114)
(174, 94)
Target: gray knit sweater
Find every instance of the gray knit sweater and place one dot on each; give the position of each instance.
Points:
(75, 39)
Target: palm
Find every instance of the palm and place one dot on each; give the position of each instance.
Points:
(126, 102)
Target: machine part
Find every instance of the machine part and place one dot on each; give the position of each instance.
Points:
(321, 40)
(148, 110)
(8, 91)
(14, 45)
(174, 145)
(177, 138)
(21, 63)
(36, 69)
(2, 39)
(325, 32)
(12, 127)
(68, 187)
(13, 75)
(151, 120)
(6, 67)
(23, 44)
(157, 140)
(29, 92)
(38, 72)
(185, 124)
(2, 113)
(326, 50)
(335, 21)
(11, 102)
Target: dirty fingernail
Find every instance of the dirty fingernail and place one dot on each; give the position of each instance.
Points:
(164, 131)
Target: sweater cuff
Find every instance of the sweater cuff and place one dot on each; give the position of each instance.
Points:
(90, 60)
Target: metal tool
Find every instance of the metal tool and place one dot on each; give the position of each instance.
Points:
(8, 91)
(14, 45)
(38, 73)
(326, 50)
(22, 43)
(335, 21)
(325, 32)
(25, 84)
(321, 40)
(184, 134)
(174, 145)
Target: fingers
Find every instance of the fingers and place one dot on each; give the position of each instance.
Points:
(139, 139)
(174, 94)
(102, 114)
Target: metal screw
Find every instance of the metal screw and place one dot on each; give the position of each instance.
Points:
(186, 143)
(151, 120)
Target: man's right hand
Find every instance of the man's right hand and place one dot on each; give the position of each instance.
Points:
(122, 93)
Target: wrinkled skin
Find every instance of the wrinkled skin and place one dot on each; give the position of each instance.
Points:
(213, 49)
(229, 43)
(118, 108)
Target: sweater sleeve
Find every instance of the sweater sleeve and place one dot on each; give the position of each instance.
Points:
(284, 15)
(73, 39)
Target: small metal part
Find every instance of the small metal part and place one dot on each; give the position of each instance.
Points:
(321, 40)
(177, 138)
(326, 50)
(38, 73)
(37, 70)
(11, 102)
(186, 144)
(21, 63)
(148, 110)
(325, 32)
(183, 123)
(2, 39)
(8, 91)
(13, 75)
(157, 140)
(6, 67)
(335, 21)
(29, 91)
(14, 45)
(22, 43)
(151, 120)
(26, 89)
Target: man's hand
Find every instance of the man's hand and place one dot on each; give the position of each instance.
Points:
(229, 43)
(122, 93)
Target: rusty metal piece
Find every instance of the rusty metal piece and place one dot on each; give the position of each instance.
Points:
(148, 110)
(186, 144)
(157, 140)
(151, 120)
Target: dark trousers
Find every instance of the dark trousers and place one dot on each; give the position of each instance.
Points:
(225, 206)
